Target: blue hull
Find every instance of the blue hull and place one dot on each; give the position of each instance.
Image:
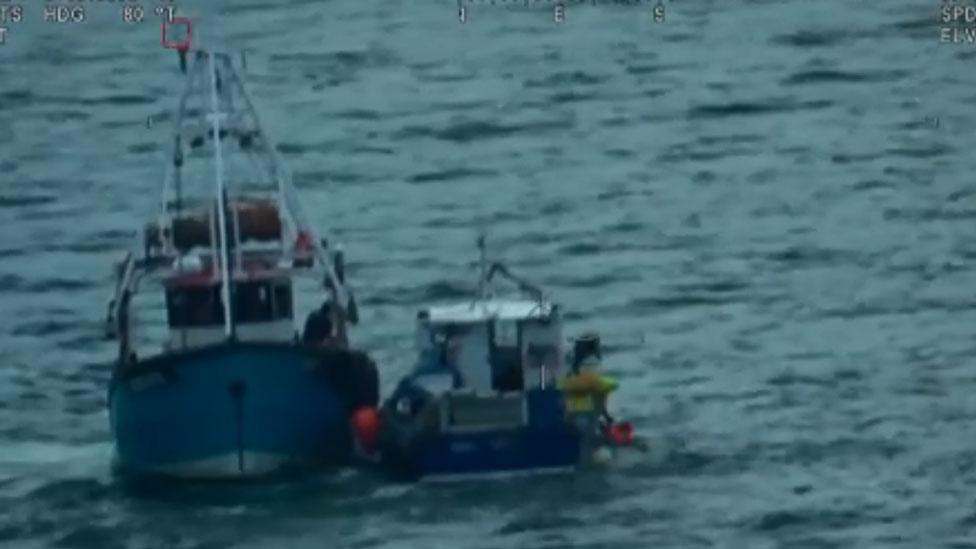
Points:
(231, 410)
(547, 444)
(473, 455)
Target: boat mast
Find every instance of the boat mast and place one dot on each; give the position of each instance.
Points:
(221, 192)
(341, 295)
(173, 179)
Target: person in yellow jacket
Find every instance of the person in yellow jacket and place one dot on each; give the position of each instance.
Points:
(586, 392)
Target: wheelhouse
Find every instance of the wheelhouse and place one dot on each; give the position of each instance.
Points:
(261, 301)
(500, 345)
(228, 250)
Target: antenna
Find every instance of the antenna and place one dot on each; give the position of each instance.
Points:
(215, 116)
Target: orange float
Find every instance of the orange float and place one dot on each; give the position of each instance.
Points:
(366, 428)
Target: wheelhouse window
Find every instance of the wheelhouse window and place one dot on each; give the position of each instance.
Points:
(194, 307)
(539, 355)
(262, 301)
(252, 302)
(506, 360)
(282, 300)
(197, 307)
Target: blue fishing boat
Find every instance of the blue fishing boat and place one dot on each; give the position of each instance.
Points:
(229, 388)
(484, 398)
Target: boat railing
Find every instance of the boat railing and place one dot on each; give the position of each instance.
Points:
(212, 219)
(489, 269)
(523, 285)
(123, 285)
(236, 219)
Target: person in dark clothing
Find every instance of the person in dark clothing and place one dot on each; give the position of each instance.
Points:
(319, 327)
(448, 357)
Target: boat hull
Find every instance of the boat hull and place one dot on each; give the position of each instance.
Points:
(229, 411)
(547, 444)
(498, 453)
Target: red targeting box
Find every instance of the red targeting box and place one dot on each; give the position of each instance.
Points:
(167, 32)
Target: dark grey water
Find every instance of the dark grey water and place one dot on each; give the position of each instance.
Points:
(752, 201)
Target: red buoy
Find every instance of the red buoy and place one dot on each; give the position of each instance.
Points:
(366, 428)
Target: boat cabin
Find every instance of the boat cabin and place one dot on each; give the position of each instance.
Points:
(262, 306)
(498, 345)
(501, 350)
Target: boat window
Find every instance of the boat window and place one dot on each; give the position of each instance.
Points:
(474, 413)
(506, 333)
(442, 332)
(538, 355)
(252, 302)
(194, 307)
(282, 301)
(507, 370)
(506, 359)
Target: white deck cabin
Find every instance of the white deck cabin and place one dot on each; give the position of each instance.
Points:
(505, 345)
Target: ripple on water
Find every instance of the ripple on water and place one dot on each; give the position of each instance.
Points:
(116, 100)
(439, 290)
(21, 200)
(827, 76)
(805, 39)
(744, 108)
(450, 174)
(479, 130)
(561, 79)
(10, 283)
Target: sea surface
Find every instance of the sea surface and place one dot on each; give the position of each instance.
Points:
(767, 208)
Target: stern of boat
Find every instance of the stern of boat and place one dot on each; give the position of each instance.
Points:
(232, 410)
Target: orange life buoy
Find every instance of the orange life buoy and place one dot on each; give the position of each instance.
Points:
(366, 427)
